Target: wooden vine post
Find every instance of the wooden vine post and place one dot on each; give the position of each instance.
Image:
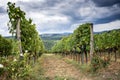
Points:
(91, 41)
(18, 31)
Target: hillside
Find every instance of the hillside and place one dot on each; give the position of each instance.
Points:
(53, 36)
(50, 39)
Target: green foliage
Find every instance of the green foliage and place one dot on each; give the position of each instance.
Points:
(98, 63)
(59, 47)
(60, 78)
(49, 44)
(14, 13)
(29, 36)
(82, 34)
(14, 68)
(107, 41)
(51, 36)
(50, 40)
(15, 44)
(37, 71)
(5, 47)
(84, 68)
(80, 37)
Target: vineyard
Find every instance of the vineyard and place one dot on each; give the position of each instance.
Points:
(106, 44)
(23, 57)
(14, 64)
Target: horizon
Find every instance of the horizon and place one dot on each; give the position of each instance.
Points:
(65, 33)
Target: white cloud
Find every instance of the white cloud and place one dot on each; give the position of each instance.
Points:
(48, 23)
(102, 12)
(4, 33)
(55, 31)
(107, 26)
(42, 18)
(4, 2)
(85, 11)
(99, 27)
(74, 26)
(92, 12)
(3, 25)
(30, 0)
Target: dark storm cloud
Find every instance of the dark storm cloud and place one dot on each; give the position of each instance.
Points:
(53, 7)
(40, 5)
(106, 3)
(109, 4)
(71, 9)
(2, 10)
(108, 19)
(68, 8)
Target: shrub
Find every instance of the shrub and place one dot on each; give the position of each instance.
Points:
(98, 63)
(5, 47)
(14, 69)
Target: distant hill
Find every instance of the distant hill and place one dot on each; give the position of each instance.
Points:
(51, 39)
(53, 36)
(10, 37)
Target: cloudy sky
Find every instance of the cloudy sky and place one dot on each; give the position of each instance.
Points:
(59, 16)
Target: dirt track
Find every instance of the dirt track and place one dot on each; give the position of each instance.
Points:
(57, 67)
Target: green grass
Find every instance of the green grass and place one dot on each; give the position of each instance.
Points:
(84, 68)
(37, 72)
(63, 78)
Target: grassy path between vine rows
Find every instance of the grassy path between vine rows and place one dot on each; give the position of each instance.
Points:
(55, 68)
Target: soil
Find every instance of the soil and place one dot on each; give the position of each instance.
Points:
(112, 72)
(56, 67)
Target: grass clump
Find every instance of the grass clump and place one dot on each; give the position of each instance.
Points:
(82, 67)
(37, 72)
